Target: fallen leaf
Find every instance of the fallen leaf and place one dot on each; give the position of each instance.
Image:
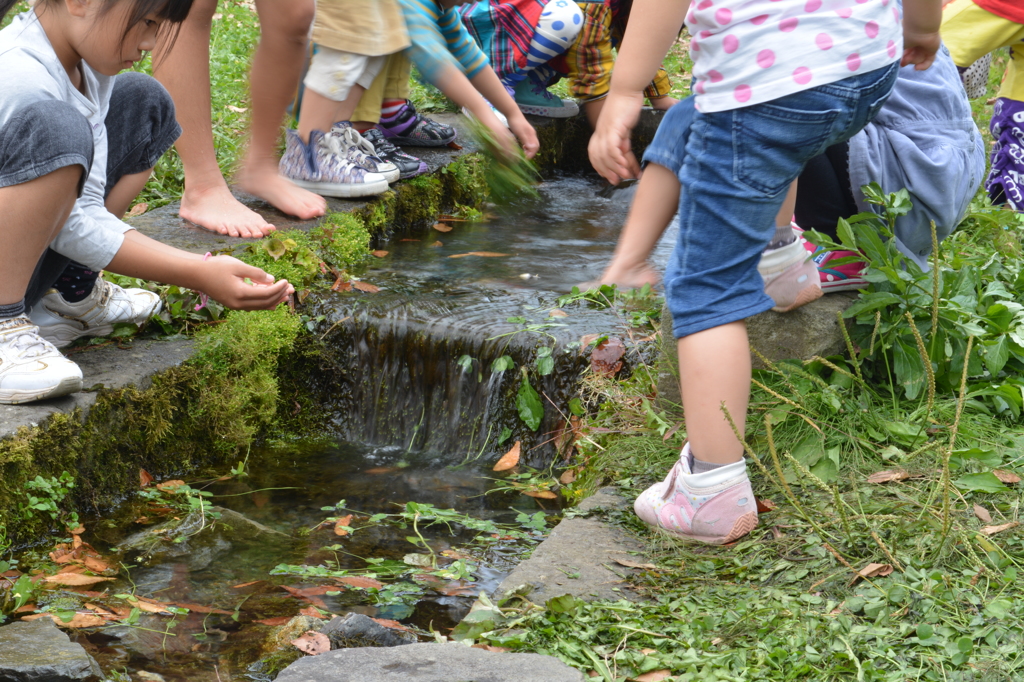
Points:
(249, 584)
(342, 284)
(491, 647)
(307, 592)
(74, 579)
(437, 243)
(80, 620)
(149, 606)
(379, 253)
(169, 486)
(441, 227)
(312, 643)
(10, 574)
(339, 525)
(992, 530)
(96, 565)
(27, 608)
(567, 477)
(260, 499)
(145, 478)
(388, 623)
(366, 287)
(458, 590)
(482, 254)
(557, 313)
(764, 506)
(606, 359)
(381, 470)
(671, 432)
(77, 530)
(237, 110)
(275, 621)
(410, 240)
(510, 458)
(587, 339)
(888, 476)
(137, 210)
(310, 611)
(872, 571)
(199, 608)
(654, 676)
(76, 541)
(454, 145)
(360, 581)
(633, 564)
(418, 560)
(71, 568)
(542, 494)
(982, 514)
(1006, 476)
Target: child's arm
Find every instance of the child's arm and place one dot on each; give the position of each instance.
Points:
(487, 84)
(221, 277)
(921, 20)
(653, 27)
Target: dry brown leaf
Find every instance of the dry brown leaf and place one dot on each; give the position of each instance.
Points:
(437, 243)
(992, 530)
(169, 486)
(275, 621)
(366, 287)
(310, 611)
(482, 254)
(587, 339)
(567, 477)
(80, 620)
(633, 564)
(653, 676)
(557, 313)
(982, 514)
(454, 145)
(313, 643)
(441, 227)
(1006, 476)
(606, 358)
(249, 584)
(137, 209)
(388, 623)
(96, 565)
(340, 523)
(76, 541)
(199, 608)
(74, 579)
(872, 571)
(888, 476)
(491, 647)
(72, 568)
(341, 284)
(764, 506)
(307, 592)
(455, 590)
(149, 606)
(542, 494)
(510, 458)
(145, 478)
(380, 253)
(360, 581)
(410, 240)
(77, 530)
(376, 471)
(237, 110)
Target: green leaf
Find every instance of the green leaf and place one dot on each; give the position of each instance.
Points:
(869, 302)
(503, 363)
(506, 433)
(996, 354)
(998, 608)
(275, 248)
(531, 409)
(576, 407)
(909, 368)
(466, 363)
(924, 630)
(981, 483)
(845, 233)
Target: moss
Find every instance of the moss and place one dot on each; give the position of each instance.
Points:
(295, 260)
(341, 239)
(419, 201)
(379, 215)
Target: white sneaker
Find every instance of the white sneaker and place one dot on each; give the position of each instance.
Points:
(30, 367)
(61, 322)
(346, 142)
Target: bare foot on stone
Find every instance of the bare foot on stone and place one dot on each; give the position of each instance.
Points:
(217, 210)
(281, 193)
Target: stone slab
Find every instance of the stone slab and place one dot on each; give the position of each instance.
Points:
(106, 367)
(427, 663)
(37, 651)
(578, 558)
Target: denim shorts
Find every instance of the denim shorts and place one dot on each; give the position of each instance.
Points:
(734, 168)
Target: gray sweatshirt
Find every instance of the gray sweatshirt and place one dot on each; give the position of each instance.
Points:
(30, 72)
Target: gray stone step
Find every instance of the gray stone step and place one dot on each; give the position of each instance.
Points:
(37, 651)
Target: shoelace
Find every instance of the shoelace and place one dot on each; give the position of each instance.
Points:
(339, 143)
(29, 344)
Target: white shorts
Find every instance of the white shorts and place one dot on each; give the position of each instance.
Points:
(332, 73)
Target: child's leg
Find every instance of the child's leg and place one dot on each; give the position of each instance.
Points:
(185, 72)
(335, 84)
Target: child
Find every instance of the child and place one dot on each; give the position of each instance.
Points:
(520, 36)
(972, 29)
(61, 194)
(777, 83)
(326, 155)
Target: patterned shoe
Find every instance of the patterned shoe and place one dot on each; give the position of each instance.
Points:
(319, 168)
(346, 141)
(30, 367)
(533, 98)
(843, 277)
(408, 165)
(716, 507)
(790, 276)
(410, 129)
(107, 304)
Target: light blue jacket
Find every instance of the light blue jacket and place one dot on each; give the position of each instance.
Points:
(924, 139)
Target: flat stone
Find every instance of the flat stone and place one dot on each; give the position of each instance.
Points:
(358, 630)
(107, 367)
(578, 558)
(36, 651)
(428, 663)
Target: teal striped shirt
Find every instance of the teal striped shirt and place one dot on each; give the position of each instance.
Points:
(439, 39)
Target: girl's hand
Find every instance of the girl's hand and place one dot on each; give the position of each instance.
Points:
(610, 152)
(920, 49)
(526, 135)
(222, 278)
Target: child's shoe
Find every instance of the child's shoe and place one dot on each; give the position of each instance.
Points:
(406, 127)
(790, 276)
(408, 165)
(500, 116)
(843, 277)
(533, 98)
(107, 304)
(715, 507)
(319, 167)
(347, 141)
(31, 368)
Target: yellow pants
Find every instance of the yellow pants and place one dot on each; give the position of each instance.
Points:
(391, 83)
(971, 32)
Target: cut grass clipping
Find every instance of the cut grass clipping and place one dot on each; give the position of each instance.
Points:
(507, 178)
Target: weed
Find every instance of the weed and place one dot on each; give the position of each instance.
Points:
(46, 495)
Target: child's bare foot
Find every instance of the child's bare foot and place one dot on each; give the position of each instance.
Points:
(265, 182)
(217, 210)
(625, 277)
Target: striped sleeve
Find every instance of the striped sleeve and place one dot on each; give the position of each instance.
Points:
(461, 44)
(437, 42)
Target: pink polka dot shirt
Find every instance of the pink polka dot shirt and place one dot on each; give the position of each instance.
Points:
(751, 51)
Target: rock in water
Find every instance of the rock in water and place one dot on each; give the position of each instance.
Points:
(357, 630)
(427, 663)
(37, 651)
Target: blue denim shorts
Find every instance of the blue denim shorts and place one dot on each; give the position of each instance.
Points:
(734, 168)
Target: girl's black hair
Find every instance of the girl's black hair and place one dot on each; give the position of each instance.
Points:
(172, 11)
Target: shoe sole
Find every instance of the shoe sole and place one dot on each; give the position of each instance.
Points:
(844, 286)
(805, 296)
(363, 189)
(549, 112)
(741, 527)
(67, 386)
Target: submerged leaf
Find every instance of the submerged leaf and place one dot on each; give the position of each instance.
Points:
(531, 409)
(74, 579)
(441, 227)
(510, 458)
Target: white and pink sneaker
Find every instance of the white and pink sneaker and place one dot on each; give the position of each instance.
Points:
(715, 507)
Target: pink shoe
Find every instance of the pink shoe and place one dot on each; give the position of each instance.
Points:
(716, 507)
(843, 277)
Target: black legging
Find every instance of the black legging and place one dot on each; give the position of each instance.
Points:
(823, 191)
